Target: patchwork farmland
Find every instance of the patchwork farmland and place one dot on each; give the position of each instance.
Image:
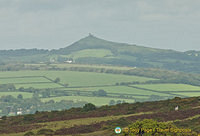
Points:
(85, 83)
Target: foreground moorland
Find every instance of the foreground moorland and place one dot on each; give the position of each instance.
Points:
(91, 121)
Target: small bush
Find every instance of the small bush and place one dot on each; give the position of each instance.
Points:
(29, 117)
(45, 132)
(4, 118)
(29, 134)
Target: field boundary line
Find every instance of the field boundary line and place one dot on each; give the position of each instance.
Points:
(91, 86)
(21, 77)
(154, 91)
(183, 91)
(107, 93)
(54, 82)
(29, 83)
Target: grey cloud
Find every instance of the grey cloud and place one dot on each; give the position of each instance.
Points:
(58, 23)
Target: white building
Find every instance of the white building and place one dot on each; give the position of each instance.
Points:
(69, 61)
(19, 113)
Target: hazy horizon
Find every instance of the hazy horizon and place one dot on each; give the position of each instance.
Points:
(49, 24)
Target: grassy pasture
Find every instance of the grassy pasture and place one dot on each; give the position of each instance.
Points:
(74, 78)
(13, 80)
(120, 90)
(189, 94)
(169, 87)
(22, 73)
(98, 53)
(98, 101)
(38, 85)
(90, 81)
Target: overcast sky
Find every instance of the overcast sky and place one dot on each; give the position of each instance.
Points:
(52, 24)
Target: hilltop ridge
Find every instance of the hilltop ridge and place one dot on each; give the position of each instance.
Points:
(94, 50)
(92, 41)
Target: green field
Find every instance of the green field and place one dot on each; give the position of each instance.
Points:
(188, 94)
(119, 90)
(15, 94)
(16, 80)
(91, 81)
(38, 85)
(98, 53)
(169, 87)
(74, 78)
(83, 81)
(95, 100)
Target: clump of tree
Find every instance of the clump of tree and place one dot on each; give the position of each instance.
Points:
(10, 104)
(155, 98)
(100, 93)
(89, 107)
(57, 80)
(46, 94)
(20, 96)
(66, 85)
(7, 87)
(113, 102)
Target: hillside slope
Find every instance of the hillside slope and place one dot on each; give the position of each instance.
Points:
(104, 119)
(93, 50)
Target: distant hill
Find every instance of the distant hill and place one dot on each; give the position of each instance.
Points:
(93, 50)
